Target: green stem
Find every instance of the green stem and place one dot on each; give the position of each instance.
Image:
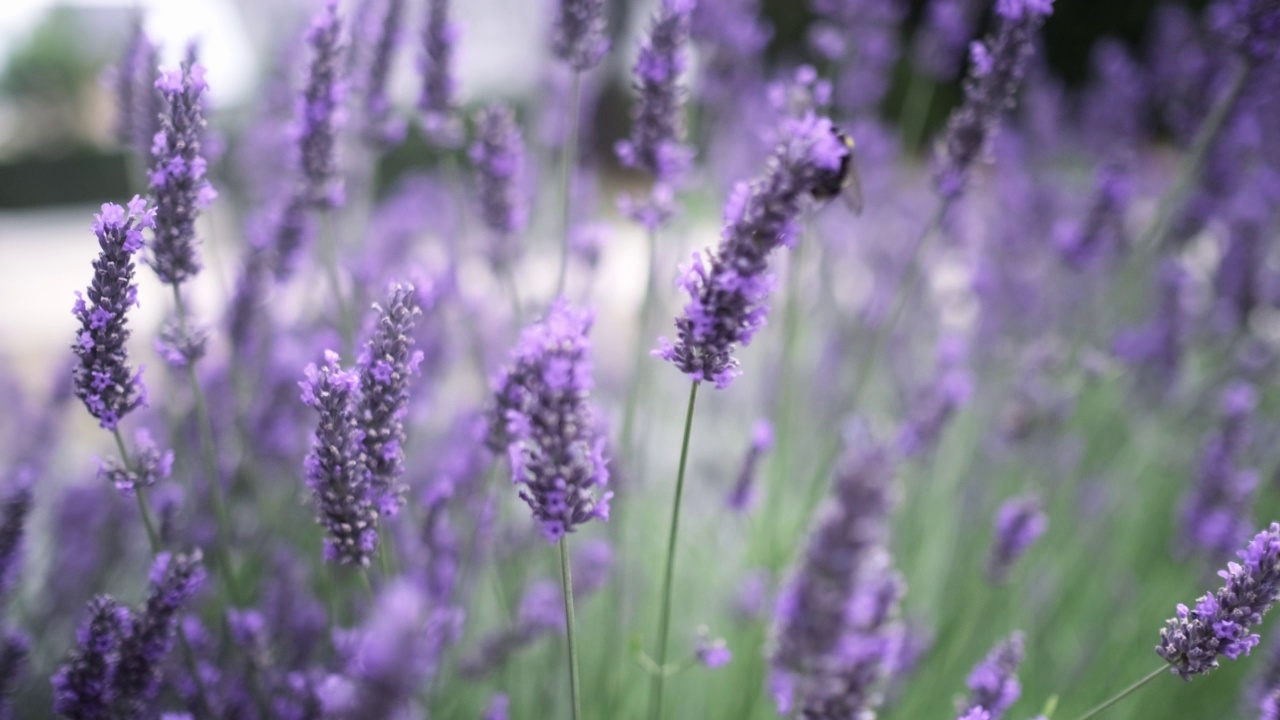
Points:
(1125, 693)
(208, 454)
(915, 110)
(566, 581)
(1175, 197)
(664, 618)
(332, 256)
(566, 178)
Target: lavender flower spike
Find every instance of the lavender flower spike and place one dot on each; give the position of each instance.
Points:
(438, 101)
(578, 36)
(728, 290)
(319, 112)
(174, 580)
(379, 127)
(15, 506)
(336, 468)
(655, 144)
(993, 684)
(1019, 523)
(743, 490)
(385, 366)
(498, 155)
(103, 379)
(1220, 622)
(84, 687)
(1216, 512)
(178, 184)
(543, 416)
(997, 65)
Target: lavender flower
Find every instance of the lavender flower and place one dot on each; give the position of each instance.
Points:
(728, 291)
(174, 580)
(379, 127)
(1102, 230)
(761, 441)
(1252, 27)
(104, 381)
(710, 652)
(292, 229)
(15, 648)
(498, 155)
(937, 402)
(1220, 622)
(147, 465)
(15, 506)
(1157, 346)
(1216, 511)
(1270, 707)
(993, 684)
(940, 42)
(439, 87)
(543, 417)
(84, 687)
(578, 36)
(1019, 523)
(860, 37)
(178, 184)
(336, 467)
(732, 35)
(996, 68)
(181, 344)
(655, 142)
(499, 705)
(137, 101)
(977, 713)
(835, 635)
(319, 112)
(385, 366)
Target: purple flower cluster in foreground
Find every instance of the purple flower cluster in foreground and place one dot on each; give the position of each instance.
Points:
(727, 289)
(543, 419)
(104, 380)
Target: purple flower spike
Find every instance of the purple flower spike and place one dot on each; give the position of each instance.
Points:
(761, 442)
(655, 144)
(995, 73)
(578, 36)
(1252, 27)
(319, 112)
(1220, 622)
(179, 187)
(380, 128)
(385, 366)
(1216, 513)
(138, 103)
(728, 289)
(544, 420)
(1019, 523)
(438, 101)
(336, 469)
(84, 687)
(174, 580)
(15, 506)
(498, 155)
(993, 684)
(104, 381)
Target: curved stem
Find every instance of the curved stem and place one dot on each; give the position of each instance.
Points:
(1125, 693)
(664, 618)
(566, 581)
(566, 178)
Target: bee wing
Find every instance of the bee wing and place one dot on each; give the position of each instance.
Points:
(852, 190)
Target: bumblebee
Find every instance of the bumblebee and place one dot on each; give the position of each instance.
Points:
(844, 180)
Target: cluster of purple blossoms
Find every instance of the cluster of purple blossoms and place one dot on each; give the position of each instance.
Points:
(996, 68)
(543, 419)
(742, 495)
(437, 100)
(655, 143)
(498, 156)
(1216, 514)
(179, 187)
(993, 683)
(1221, 621)
(732, 35)
(1020, 521)
(147, 465)
(860, 38)
(727, 292)
(578, 36)
(336, 468)
(1102, 231)
(385, 366)
(84, 687)
(380, 128)
(836, 630)
(320, 114)
(1252, 27)
(103, 379)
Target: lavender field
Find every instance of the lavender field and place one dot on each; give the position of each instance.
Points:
(730, 366)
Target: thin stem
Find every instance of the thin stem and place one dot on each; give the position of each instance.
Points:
(1173, 200)
(331, 258)
(1125, 693)
(205, 429)
(566, 178)
(664, 618)
(566, 581)
(638, 365)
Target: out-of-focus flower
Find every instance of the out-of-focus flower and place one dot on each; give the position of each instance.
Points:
(711, 652)
(319, 114)
(380, 128)
(439, 86)
(740, 498)
(578, 36)
(654, 145)
(147, 464)
(84, 687)
(498, 156)
(1019, 523)
(1216, 515)
(993, 684)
